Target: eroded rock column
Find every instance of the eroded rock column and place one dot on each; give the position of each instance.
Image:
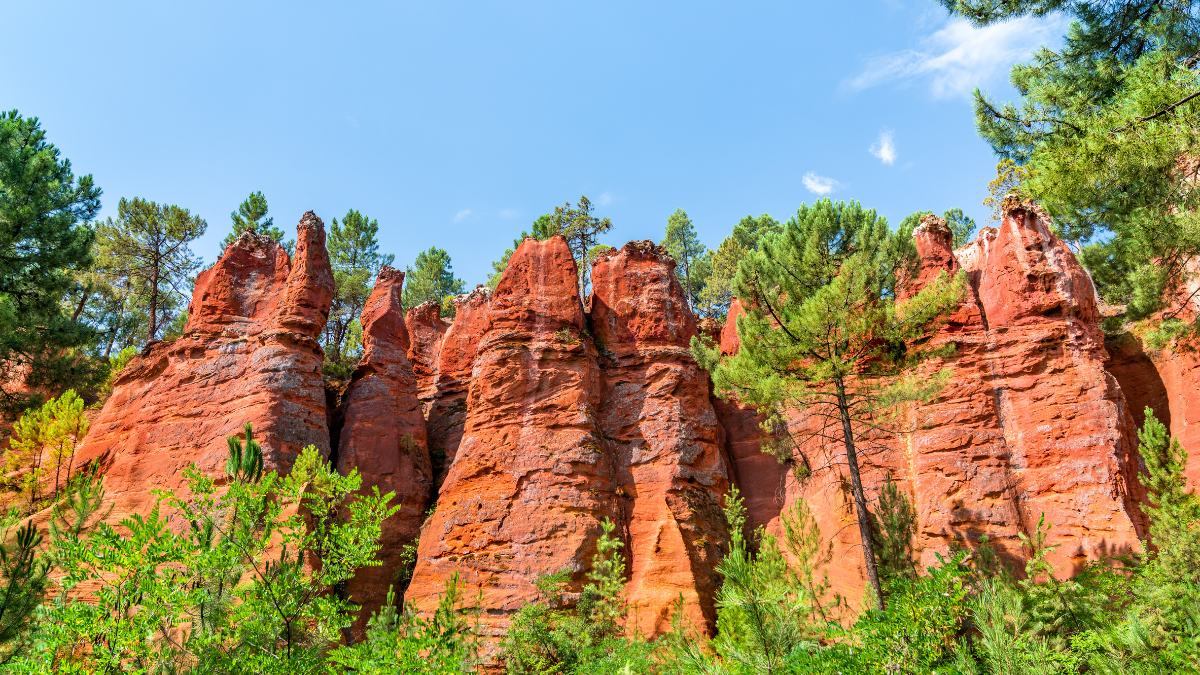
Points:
(383, 435)
(527, 491)
(663, 436)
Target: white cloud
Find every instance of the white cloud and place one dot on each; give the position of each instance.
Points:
(604, 199)
(884, 148)
(509, 214)
(462, 214)
(960, 57)
(819, 184)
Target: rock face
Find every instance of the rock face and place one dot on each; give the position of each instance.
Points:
(1168, 381)
(1028, 423)
(662, 433)
(446, 410)
(528, 489)
(425, 332)
(383, 435)
(249, 353)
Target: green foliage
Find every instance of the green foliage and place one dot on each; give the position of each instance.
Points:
(586, 638)
(276, 546)
(148, 243)
(918, 630)
(44, 247)
(356, 261)
(1105, 137)
(43, 443)
(769, 614)
(23, 584)
(245, 462)
(116, 364)
(400, 641)
(894, 525)
(582, 231)
(683, 243)
(251, 216)
(431, 280)
(824, 335)
(714, 296)
(961, 225)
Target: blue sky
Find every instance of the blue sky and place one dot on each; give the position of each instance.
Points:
(456, 124)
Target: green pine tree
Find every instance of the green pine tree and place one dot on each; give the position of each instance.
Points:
(356, 261)
(582, 231)
(895, 526)
(251, 216)
(431, 279)
(685, 246)
(825, 336)
(149, 243)
(44, 244)
(1105, 137)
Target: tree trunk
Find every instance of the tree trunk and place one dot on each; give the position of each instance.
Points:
(83, 298)
(153, 309)
(860, 499)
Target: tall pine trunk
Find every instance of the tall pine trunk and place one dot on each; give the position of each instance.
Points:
(860, 499)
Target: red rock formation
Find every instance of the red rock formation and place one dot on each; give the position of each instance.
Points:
(426, 329)
(249, 353)
(445, 401)
(1028, 423)
(383, 435)
(729, 334)
(527, 491)
(663, 435)
(1167, 381)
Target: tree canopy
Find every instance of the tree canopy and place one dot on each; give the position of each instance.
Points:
(1105, 135)
(825, 337)
(431, 279)
(45, 242)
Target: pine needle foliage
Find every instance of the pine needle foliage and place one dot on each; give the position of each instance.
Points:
(825, 337)
(894, 527)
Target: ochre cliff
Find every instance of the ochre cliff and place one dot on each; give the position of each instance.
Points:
(383, 434)
(527, 422)
(249, 353)
(662, 433)
(527, 490)
(1029, 422)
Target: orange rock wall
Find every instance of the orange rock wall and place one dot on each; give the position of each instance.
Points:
(383, 435)
(528, 488)
(1030, 422)
(249, 353)
(663, 435)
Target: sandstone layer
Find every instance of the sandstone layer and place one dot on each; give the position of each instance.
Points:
(249, 353)
(662, 433)
(526, 493)
(383, 436)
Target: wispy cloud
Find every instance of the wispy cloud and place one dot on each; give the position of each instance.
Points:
(509, 214)
(960, 57)
(462, 214)
(819, 184)
(884, 148)
(604, 199)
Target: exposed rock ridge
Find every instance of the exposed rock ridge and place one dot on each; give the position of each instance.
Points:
(528, 489)
(663, 436)
(383, 436)
(249, 353)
